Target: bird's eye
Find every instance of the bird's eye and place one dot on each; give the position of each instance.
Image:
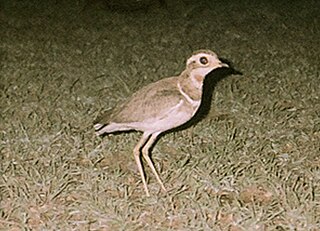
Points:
(203, 60)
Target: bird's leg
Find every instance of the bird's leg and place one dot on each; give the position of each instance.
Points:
(145, 153)
(136, 153)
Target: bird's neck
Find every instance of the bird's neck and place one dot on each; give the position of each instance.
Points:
(191, 83)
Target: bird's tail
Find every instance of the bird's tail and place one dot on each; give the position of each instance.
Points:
(98, 127)
(101, 122)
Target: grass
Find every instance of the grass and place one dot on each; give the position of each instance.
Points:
(251, 164)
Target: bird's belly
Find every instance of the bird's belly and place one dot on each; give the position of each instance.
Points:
(177, 116)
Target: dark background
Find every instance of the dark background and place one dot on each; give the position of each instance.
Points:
(252, 163)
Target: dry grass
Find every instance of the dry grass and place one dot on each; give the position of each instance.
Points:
(252, 164)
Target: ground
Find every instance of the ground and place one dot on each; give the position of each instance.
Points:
(252, 163)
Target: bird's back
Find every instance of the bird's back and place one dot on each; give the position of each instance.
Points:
(150, 101)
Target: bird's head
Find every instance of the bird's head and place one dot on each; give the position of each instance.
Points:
(202, 62)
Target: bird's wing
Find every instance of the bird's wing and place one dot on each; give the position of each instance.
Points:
(151, 101)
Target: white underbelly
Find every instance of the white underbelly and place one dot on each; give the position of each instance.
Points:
(174, 117)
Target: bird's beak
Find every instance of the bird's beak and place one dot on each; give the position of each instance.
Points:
(223, 64)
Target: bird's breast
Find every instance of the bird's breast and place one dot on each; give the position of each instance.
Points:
(194, 103)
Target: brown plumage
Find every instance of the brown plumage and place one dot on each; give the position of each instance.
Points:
(160, 106)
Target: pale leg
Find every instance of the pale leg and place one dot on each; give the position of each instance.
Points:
(145, 153)
(136, 153)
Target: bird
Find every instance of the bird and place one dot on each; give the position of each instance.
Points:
(160, 106)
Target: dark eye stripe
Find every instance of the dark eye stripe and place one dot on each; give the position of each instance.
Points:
(203, 60)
